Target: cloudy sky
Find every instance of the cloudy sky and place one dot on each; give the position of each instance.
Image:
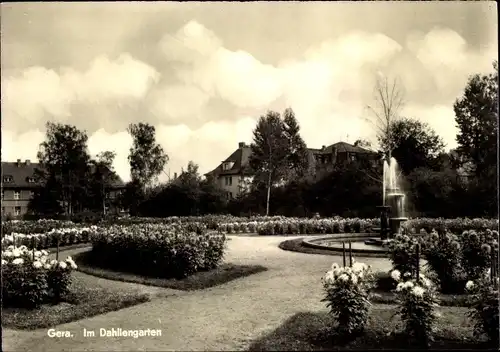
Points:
(202, 73)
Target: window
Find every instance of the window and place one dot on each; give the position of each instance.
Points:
(7, 179)
(31, 180)
(227, 165)
(353, 157)
(229, 195)
(229, 180)
(17, 211)
(17, 195)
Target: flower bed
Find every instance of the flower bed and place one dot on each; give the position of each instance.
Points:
(158, 250)
(65, 237)
(30, 227)
(30, 278)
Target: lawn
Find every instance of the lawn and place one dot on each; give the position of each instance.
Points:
(198, 281)
(85, 300)
(310, 332)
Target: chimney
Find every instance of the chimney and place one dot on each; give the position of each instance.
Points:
(175, 175)
(27, 162)
(241, 145)
(18, 162)
(323, 147)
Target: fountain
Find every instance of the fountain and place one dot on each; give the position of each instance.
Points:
(392, 210)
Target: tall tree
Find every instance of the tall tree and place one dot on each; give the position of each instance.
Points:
(64, 159)
(270, 152)
(388, 102)
(103, 176)
(147, 158)
(477, 120)
(414, 144)
(298, 160)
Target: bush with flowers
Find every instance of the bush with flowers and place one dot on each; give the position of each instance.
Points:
(50, 239)
(402, 252)
(417, 301)
(443, 255)
(484, 306)
(29, 278)
(158, 250)
(347, 296)
(476, 251)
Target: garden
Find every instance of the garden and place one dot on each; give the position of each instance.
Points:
(449, 302)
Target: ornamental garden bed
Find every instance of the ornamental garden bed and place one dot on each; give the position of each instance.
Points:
(312, 332)
(197, 281)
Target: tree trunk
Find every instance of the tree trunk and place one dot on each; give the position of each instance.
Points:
(268, 193)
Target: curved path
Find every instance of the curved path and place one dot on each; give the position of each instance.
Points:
(226, 317)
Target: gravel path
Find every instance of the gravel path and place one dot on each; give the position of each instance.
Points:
(227, 317)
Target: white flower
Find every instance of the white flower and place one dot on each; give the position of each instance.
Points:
(469, 285)
(343, 277)
(418, 291)
(4, 262)
(18, 261)
(38, 254)
(37, 264)
(44, 252)
(399, 287)
(63, 265)
(354, 279)
(335, 266)
(358, 267)
(329, 277)
(396, 275)
(47, 266)
(53, 262)
(16, 252)
(408, 284)
(7, 254)
(427, 282)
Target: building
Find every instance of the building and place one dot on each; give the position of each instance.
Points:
(233, 175)
(19, 185)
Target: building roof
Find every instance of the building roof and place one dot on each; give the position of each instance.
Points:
(240, 159)
(21, 172)
(343, 147)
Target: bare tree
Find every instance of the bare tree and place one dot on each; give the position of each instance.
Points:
(388, 102)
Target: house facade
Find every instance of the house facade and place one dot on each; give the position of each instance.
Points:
(18, 185)
(233, 175)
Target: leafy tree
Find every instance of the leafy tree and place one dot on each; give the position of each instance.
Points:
(64, 161)
(270, 157)
(147, 158)
(477, 120)
(298, 160)
(414, 144)
(103, 177)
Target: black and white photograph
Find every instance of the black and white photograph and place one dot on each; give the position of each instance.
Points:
(249, 176)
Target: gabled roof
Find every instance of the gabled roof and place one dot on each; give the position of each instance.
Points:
(21, 172)
(240, 159)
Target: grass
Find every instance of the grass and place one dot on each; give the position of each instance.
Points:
(296, 245)
(313, 332)
(82, 302)
(198, 281)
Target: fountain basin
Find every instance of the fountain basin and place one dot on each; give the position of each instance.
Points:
(361, 243)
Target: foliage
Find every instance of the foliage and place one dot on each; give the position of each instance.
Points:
(64, 165)
(30, 279)
(477, 247)
(277, 149)
(417, 300)
(477, 119)
(176, 250)
(347, 293)
(414, 144)
(50, 239)
(484, 306)
(443, 256)
(403, 252)
(147, 158)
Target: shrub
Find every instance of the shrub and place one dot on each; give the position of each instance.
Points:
(484, 306)
(347, 293)
(417, 300)
(402, 253)
(476, 251)
(162, 250)
(27, 277)
(443, 253)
